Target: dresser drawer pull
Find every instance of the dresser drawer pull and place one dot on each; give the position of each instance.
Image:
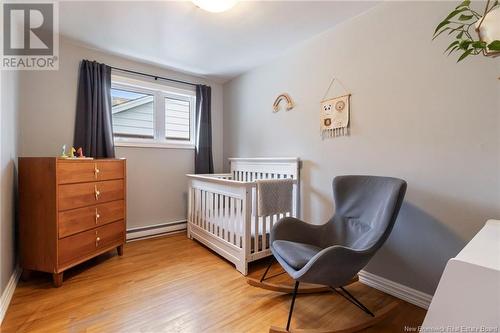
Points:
(97, 216)
(97, 240)
(97, 192)
(96, 171)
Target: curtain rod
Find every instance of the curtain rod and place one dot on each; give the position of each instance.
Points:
(156, 77)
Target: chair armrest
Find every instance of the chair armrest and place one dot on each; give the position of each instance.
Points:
(295, 230)
(334, 266)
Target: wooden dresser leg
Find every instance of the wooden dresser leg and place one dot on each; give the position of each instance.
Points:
(57, 279)
(25, 275)
(120, 250)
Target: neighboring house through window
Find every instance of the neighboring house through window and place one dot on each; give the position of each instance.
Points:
(149, 114)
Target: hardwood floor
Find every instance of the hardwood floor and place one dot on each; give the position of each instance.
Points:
(172, 284)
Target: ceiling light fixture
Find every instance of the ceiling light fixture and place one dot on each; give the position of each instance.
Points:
(215, 6)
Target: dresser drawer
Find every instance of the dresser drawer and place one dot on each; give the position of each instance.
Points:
(110, 170)
(80, 246)
(76, 172)
(72, 196)
(77, 220)
(89, 171)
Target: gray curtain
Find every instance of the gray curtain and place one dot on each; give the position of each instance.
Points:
(93, 124)
(203, 161)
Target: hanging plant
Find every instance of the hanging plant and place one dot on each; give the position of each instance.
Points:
(474, 34)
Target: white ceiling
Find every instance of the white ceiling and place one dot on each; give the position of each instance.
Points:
(177, 34)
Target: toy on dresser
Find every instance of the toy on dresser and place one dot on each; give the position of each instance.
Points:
(63, 153)
(72, 152)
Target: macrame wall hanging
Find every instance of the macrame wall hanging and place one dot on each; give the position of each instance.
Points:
(334, 114)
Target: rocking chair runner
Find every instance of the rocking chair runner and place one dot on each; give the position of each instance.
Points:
(332, 254)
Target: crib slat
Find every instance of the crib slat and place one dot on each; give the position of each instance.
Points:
(190, 205)
(196, 207)
(201, 209)
(204, 210)
(210, 212)
(234, 221)
(264, 233)
(217, 219)
(230, 221)
(239, 219)
(215, 222)
(192, 192)
(193, 204)
(237, 229)
(207, 210)
(253, 217)
(200, 218)
(225, 231)
(256, 222)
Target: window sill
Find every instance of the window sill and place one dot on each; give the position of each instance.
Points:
(154, 145)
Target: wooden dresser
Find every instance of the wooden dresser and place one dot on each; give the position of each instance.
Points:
(69, 212)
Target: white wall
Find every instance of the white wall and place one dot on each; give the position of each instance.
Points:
(416, 114)
(10, 94)
(156, 182)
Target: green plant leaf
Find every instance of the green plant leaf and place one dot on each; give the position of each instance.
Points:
(454, 13)
(464, 17)
(464, 44)
(465, 3)
(455, 29)
(455, 43)
(440, 25)
(494, 45)
(439, 33)
(460, 34)
(478, 45)
(465, 55)
(454, 48)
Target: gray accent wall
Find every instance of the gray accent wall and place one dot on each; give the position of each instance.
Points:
(157, 186)
(415, 114)
(10, 95)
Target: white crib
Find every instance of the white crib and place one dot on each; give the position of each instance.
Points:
(222, 208)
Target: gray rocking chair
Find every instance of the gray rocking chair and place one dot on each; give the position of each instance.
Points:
(332, 254)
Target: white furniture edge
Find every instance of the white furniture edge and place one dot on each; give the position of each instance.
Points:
(467, 294)
(9, 292)
(395, 289)
(156, 230)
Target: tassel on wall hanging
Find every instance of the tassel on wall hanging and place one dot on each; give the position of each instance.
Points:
(334, 114)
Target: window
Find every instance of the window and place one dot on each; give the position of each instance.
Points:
(177, 119)
(132, 113)
(147, 114)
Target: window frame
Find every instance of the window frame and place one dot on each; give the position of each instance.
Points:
(160, 92)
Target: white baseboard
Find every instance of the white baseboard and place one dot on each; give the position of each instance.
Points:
(395, 289)
(156, 230)
(9, 292)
